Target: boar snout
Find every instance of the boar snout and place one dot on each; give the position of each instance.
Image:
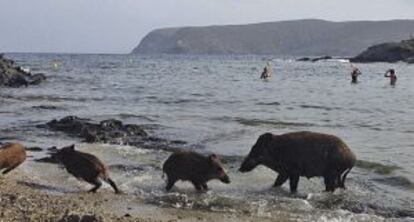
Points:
(225, 179)
(248, 165)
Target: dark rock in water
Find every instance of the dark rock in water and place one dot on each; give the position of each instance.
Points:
(36, 79)
(45, 107)
(110, 131)
(321, 58)
(14, 76)
(307, 59)
(34, 149)
(304, 59)
(387, 52)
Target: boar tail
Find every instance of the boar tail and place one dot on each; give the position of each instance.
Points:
(343, 177)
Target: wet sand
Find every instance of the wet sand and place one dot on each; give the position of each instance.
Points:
(23, 200)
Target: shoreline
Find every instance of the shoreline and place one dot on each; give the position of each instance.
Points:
(22, 199)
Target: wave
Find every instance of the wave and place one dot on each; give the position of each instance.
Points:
(47, 107)
(396, 181)
(280, 124)
(326, 108)
(378, 168)
(268, 104)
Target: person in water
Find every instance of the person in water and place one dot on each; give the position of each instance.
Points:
(354, 74)
(391, 74)
(266, 72)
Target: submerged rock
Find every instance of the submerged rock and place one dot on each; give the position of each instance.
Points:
(388, 52)
(15, 76)
(321, 58)
(307, 59)
(110, 131)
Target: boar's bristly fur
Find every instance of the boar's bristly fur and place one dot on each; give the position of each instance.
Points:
(304, 153)
(193, 167)
(11, 156)
(85, 166)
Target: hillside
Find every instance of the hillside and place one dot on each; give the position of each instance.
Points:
(299, 37)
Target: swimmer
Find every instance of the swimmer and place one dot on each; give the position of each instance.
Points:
(354, 74)
(393, 77)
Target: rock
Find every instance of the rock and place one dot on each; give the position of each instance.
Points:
(36, 79)
(321, 58)
(304, 59)
(387, 52)
(34, 149)
(110, 131)
(15, 76)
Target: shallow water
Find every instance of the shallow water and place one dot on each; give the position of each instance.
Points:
(218, 104)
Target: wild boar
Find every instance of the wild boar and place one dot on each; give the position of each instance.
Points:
(307, 154)
(11, 156)
(193, 167)
(84, 166)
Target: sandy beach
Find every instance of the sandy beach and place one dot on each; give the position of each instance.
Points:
(21, 199)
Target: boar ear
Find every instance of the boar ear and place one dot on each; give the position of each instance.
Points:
(72, 147)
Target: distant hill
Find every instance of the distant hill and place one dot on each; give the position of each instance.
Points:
(298, 37)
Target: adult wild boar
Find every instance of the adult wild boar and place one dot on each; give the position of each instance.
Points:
(307, 154)
(84, 166)
(11, 156)
(193, 167)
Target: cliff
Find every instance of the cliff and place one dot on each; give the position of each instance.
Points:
(300, 37)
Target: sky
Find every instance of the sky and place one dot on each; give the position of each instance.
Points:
(117, 26)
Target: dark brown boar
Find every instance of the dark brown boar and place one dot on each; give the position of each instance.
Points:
(307, 154)
(11, 156)
(193, 167)
(84, 166)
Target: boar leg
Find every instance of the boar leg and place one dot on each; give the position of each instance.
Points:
(281, 179)
(329, 180)
(95, 182)
(9, 169)
(197, 185)
(293, 182)
(205, 187)
(170, 183)
(113, 185)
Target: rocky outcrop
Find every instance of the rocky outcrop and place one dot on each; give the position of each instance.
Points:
(388, 52)
(110, 131)
(297, 38)
(307, 59)
(14, 76)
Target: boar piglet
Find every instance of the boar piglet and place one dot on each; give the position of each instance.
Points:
(84, 166)
(11, 156)
(193, 167)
